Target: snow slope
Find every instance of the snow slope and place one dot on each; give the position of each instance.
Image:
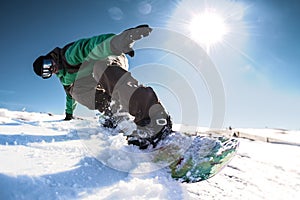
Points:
(43, 157)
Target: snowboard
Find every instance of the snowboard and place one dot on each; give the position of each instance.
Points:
(185, 157)
(196, 158)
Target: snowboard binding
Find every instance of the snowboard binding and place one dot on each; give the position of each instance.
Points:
(151, 134)
(143, 133)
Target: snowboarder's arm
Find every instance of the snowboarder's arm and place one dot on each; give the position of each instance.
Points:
(102, 46)
(70, 104)
(94, 48)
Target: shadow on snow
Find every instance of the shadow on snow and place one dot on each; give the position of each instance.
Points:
(88, 174)
(22, 139)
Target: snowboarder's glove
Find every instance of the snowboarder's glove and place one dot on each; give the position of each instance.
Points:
(68, 117)
(123, 42)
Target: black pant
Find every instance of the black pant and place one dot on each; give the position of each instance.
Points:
(117, 84)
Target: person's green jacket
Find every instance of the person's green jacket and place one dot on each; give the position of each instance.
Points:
(73, 55)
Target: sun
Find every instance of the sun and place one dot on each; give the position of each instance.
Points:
(208, 28)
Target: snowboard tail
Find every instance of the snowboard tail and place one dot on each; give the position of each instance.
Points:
(204, 157)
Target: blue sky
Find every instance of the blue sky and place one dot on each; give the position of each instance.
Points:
(258, 61)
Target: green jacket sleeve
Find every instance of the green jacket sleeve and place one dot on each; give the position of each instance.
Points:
(70, 104)
(67, 80)
(94, 48)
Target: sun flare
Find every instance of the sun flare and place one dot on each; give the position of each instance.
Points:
(208, 28)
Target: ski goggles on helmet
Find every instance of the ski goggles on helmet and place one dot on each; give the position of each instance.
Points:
(47, 68)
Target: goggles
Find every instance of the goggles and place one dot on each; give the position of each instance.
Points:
(47, 68)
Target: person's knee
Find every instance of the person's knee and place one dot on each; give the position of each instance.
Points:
(141, 101)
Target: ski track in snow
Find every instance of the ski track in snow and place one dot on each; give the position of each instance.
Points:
(42, 157)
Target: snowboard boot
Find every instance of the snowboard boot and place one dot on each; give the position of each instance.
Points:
(109, 121)
(150, 131)
(121, 120)
(102, 104)
(114, 117)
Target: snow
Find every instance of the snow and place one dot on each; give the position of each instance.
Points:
(44, 157)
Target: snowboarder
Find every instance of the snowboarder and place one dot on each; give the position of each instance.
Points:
(93, 72)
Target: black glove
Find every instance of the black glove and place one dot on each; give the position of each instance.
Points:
(123, 42)
(68, 117)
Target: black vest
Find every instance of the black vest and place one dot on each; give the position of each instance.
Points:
(58, 55)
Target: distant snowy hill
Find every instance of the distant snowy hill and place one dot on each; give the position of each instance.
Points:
(44, 157)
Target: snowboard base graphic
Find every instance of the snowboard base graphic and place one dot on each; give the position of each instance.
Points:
(196, 158)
